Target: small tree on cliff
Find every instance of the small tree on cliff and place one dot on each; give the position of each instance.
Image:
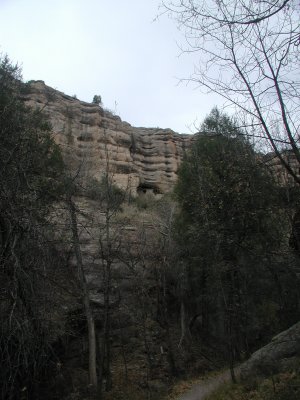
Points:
(97, 99)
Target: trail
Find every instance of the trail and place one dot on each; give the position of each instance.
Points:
(200, 390)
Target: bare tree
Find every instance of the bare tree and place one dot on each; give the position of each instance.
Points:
(135, 258)
(109, 238)
(164, 263)
(85, 295)
(249, 54)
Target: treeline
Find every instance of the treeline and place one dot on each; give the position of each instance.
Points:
(234, 232)
(30, 170)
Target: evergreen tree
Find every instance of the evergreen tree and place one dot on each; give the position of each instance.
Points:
(30, 167)
(97, 99)
(232, 232)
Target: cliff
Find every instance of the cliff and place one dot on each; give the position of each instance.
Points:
(140, 159)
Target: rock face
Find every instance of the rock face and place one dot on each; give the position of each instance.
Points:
(275, 356)
(139, 159)
(275, 165)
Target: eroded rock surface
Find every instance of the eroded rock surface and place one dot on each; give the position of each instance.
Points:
(281, 352)
(140, 159)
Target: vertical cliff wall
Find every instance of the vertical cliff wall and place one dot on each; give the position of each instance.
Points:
(140, 159)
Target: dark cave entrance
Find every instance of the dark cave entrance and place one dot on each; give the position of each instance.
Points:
(145, 189)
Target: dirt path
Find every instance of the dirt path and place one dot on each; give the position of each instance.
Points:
(206, 387)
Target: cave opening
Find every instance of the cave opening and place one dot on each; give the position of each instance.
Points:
(148, 189)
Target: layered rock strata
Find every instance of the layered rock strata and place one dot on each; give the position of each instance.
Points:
(140, 160)
(94, 140)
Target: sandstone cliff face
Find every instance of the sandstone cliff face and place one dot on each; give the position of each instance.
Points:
(139, 159)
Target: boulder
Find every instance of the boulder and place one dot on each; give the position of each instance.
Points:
(281, 352)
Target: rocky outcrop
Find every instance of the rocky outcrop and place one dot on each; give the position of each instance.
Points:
(140, 159)
(280, 353)
(280, 172)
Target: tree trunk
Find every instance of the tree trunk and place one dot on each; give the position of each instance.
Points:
(182, 323)
(86, 300)
(106, 337)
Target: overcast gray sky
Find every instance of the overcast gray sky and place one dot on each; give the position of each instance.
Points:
(115, 48)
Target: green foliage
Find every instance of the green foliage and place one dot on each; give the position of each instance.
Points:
(30, 161)
(217, 123)
(97, 99)
(224, 190)
(30, 169)
(231, 228)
